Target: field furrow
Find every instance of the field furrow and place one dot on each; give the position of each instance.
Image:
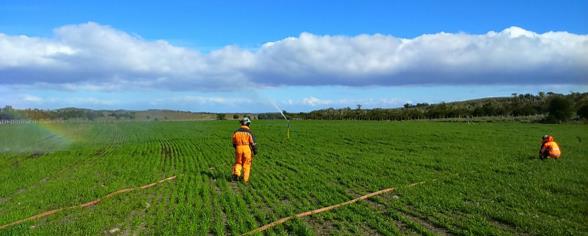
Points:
(469, 185)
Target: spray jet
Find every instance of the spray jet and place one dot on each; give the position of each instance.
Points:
(285, 118)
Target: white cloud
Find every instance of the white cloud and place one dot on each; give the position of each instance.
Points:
(96, 57)
(204, 100)
(28, 100)
(76, 101)
(28, 51)
(32, 99)
(313, 101)
(513, 56)
(347, 102)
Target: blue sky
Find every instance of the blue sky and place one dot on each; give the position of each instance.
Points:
(303, 55)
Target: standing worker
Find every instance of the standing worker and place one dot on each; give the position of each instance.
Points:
(549, 148)
(244, 144)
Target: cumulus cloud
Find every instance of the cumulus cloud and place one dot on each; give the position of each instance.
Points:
(204, 100)
(313, 101)
(94, 56)
(25, 100)
(513, 56)
(366, 102)
(32, 98)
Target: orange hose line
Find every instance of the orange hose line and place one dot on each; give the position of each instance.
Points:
(327, 208)
(85, 205)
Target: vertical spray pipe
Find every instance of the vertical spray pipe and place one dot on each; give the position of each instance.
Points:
(285, 118)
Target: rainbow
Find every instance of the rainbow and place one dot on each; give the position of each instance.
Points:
(36, 136)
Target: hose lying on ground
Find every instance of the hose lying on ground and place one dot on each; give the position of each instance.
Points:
(87, 204)
(328, 208)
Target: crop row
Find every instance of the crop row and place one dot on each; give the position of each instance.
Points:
(481, 178)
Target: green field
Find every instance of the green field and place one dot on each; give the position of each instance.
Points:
(481, 178)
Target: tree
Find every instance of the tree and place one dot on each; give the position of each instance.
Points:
(541, 94)
(583, 111)
(235, 116)
(560, 109)
(8, 113)
(221, 116)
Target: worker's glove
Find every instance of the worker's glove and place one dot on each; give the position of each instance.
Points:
(254, 150)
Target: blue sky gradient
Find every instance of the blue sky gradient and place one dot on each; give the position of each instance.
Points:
(250, 23)
(207, 26)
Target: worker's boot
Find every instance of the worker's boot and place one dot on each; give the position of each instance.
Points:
(235, 177)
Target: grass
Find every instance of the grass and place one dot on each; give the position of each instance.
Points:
(482, 178)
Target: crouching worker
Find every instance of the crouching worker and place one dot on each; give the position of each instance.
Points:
(549, 148)
(244, 144)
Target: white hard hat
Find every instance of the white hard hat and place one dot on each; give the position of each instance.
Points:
(246, 121)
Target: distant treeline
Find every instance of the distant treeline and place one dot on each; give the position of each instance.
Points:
(9, 113)
(551, 106)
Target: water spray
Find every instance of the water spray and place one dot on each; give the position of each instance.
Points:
(285, 118)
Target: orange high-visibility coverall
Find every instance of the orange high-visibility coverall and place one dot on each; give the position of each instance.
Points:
(244, 144)
(550, 149)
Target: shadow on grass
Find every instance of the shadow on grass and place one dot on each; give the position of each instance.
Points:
(215, 175)
(532, 157)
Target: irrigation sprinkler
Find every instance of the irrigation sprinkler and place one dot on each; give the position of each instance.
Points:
(285, 118)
